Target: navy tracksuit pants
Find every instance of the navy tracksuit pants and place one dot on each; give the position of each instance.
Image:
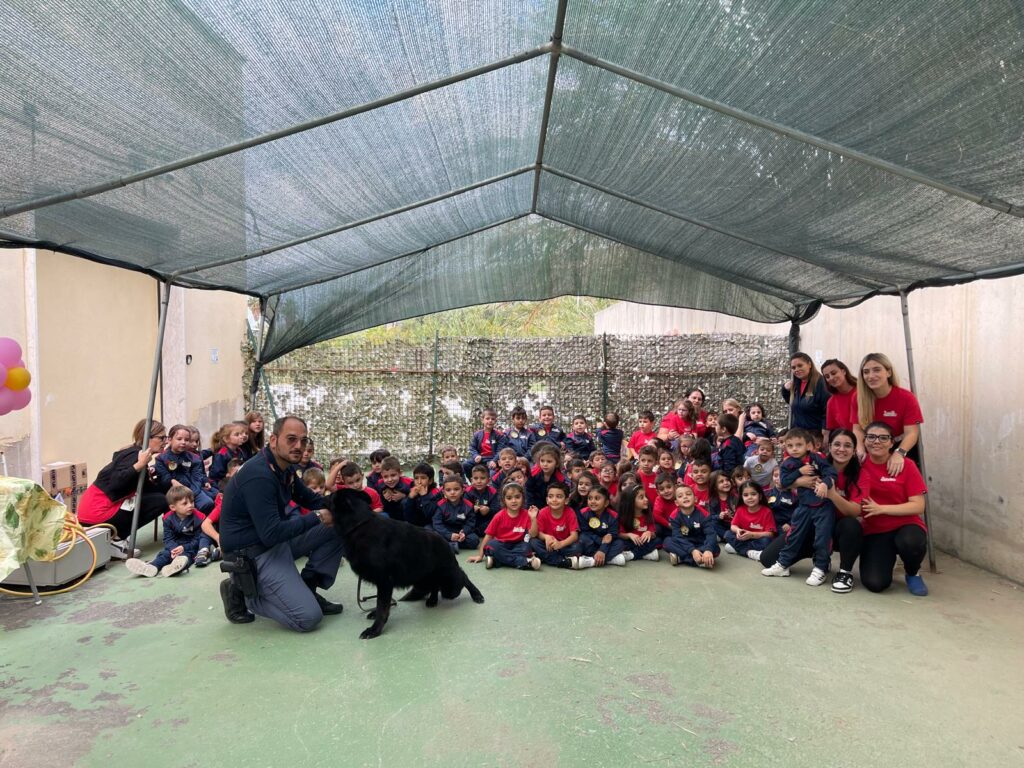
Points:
(558, 558)
(744, 546)
(512, 554)
(591, 544)
(822, 519)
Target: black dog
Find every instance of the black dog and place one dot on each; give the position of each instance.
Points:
(389, 553)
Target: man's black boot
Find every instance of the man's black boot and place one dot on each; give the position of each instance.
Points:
(328, 608)
(234, 603)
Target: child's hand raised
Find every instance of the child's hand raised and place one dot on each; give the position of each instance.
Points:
(533, 511)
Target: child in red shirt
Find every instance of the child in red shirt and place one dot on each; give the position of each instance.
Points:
(555, 532)
(664, 504)
(505, 539)
(753, 525)
(636, 526)
(700, 480)
(645, 473)
(643, 436)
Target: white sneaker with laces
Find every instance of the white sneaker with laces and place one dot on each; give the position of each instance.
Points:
(673, 558)
(816, 579)
(730, 549)
(628, 555)
(652, 556)
(619, 559)
(777, 569)
(534, 563)
(140, 567)
(176, 566)
(754, 554)
(582, 562)
(119, 550)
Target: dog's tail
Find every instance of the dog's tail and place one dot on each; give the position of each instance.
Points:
(414, 594)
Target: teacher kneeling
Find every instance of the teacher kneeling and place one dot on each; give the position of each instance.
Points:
(261, 539)
(892, 516)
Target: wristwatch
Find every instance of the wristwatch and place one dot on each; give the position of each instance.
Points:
(901, 452)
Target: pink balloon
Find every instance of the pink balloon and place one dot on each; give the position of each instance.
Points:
(10, 352)
(6, 400)
(3, 374)
(21, 399)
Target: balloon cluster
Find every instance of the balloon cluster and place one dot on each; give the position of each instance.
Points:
(14, 378)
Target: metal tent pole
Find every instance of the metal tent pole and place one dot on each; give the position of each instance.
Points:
(258, 366)
(157, 357)
(549, 92)
(794, 347)
(905, 308)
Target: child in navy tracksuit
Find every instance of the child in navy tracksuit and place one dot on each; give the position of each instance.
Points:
(599, 529)
(233, 437)
(183, 537)
(721, 503)
(542, 475)
(755, 427)
(485, 443)
(731, 453)
(610, 437)
(505, 540)
(506, 463)
(421, 503)
(753, 526)
(393, 488)
(177, 463)
(545, 430)
(694, 540)
(579, 440)
(484, 498)
(554, 532)
(782, 503)
(518, 435)
(813, 507)
(636, 526)
(454, 518)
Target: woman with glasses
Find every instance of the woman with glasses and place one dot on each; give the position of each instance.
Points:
(891, 514)
(881, 398)
(811, 397)
(111, 497)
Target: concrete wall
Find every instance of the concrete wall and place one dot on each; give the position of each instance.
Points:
(970, 381)
(626, 317)
(96, 328)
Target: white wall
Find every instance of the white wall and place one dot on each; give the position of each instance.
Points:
(970, 381)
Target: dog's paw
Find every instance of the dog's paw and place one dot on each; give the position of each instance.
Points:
(369, 633)
(478, 598)
(432, 600)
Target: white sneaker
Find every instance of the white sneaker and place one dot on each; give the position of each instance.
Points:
(140, 567)
(176, 566)
(534, 563)
(673, 558)
(816, 579)
(581, 562)
(488, 562)
(619, 559)
(754, 554)
(778, 569)
(730, 549)
(628, 555)
(652, 556)
(119, 550)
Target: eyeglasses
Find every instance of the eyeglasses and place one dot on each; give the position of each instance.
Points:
(877, 438)
(158, 437)
(295, 439)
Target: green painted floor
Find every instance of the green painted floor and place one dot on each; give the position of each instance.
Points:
(646, 665)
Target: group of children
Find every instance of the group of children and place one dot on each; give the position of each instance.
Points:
(534, 495)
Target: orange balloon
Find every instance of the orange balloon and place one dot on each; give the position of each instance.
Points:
(18, 379)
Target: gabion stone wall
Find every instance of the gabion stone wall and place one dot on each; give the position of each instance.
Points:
(363, 397)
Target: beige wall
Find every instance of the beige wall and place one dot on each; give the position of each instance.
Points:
(970, 381)
(627, 317)
(97, 328)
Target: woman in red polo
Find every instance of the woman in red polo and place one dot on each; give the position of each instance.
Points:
(892, 520)
(881, 398)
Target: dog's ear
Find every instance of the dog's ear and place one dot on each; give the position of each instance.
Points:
(347, 501)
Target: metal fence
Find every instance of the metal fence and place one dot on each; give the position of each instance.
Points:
(415, 398)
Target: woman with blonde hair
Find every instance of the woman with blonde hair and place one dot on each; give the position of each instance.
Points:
(881, 398)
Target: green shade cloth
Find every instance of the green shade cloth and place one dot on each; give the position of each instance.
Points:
(445, 199)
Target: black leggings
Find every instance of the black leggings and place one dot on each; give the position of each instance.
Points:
(846, 538)
(153, 506)
(879, 551)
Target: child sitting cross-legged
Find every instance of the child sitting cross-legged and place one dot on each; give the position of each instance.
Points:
(183, 537)
(753, 525)
(554, 532)
(505, 540)
(694, 539)
(636, 526)
(454, 518)
(599, 529)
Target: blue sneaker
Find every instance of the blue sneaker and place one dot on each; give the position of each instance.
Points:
(917, 586)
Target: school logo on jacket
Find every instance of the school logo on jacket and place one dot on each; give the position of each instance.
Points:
(685, 530)
(594, 522)
(514, 435)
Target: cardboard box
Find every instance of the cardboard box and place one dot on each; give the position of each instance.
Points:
(67, 479)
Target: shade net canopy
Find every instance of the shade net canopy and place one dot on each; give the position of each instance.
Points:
(364, 162)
